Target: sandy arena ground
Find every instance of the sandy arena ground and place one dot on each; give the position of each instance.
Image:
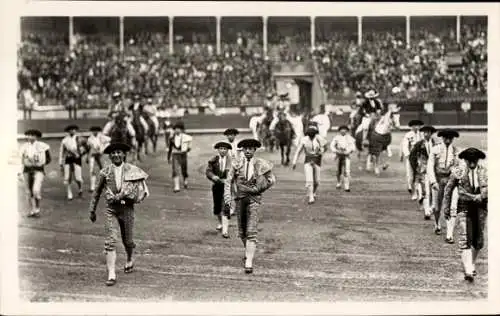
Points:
(369, 244)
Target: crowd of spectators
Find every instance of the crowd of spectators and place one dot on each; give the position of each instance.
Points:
(432, 63)
(88, 73)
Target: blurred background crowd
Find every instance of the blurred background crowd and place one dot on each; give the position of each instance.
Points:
(87, 70)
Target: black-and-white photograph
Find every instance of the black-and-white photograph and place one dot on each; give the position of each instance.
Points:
(325, 157)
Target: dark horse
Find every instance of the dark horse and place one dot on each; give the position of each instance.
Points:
(119, 132)
(284, 134)
(140, 132)
(378, 141)
(265, 135)
(152, 134)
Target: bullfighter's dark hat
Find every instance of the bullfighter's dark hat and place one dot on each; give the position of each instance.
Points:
(343, 127)
(231, 131)
(428, 128)
(70, 127)
(223, 145)
(448, 133)
(95, 129)
(33, 132)
(249, 143)
(472, 154)
(116, 146)
(415, 123)
(179, 125)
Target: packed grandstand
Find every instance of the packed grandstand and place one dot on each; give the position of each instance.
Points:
(90, 69)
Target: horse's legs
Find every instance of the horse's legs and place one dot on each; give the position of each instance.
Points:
(282, 152)
(138, 152)
(376, 159)
(288, 151)
(155, 142)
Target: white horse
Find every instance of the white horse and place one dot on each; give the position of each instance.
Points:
(379, 136)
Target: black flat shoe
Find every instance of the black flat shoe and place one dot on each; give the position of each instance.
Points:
(248, 270)
(474, 273)
(427, 217)
(225, 236)
(437, 231)
(110, 282)
(449, 240)
(469, 278)
(128, 269)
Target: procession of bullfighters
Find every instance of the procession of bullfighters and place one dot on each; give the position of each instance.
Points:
(203, 159)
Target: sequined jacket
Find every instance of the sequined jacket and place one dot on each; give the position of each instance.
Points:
(133, 190)
(261, 180)
(460, 178)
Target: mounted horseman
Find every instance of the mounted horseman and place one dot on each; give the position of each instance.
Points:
(379, 136)
(119, 128)
(138, 122)
(149, 113)
(370, 109)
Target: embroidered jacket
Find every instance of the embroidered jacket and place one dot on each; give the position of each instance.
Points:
(260, 181)
(133, 189)
(214, 168)
(35, 156)
(409, 141)
(343, 145)
(182, 146)
(441, 160)
(419, 155)
(70, 147)
(461, 177)
(371, 106)
(313, 149)
(97, 144)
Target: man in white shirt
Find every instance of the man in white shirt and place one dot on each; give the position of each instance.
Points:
(96, 143)
(442, 159)
(179, 147)
(343, 145)
(35, 155)
(255, 122)
(231, 134)
(70, 160)
(323, 121)
(151, 111)
(409, 140)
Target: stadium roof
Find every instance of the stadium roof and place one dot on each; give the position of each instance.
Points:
(209, 8)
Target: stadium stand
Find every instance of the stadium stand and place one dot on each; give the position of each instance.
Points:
(87, 73)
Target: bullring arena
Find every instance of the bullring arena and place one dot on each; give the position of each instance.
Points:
(368, 244)
(214, 72)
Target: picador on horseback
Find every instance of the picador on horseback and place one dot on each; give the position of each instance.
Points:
(119, 128)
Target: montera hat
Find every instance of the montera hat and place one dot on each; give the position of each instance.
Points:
(472, 154)
(33, 132)
(415, 123)
(95, 129)
(223, 145)
(249, 143)
(231, 131)
(371, 94)
(116, 146)
(343, 127)
(70, 127)
(448, 133)
(179, 125)
(428, 128)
